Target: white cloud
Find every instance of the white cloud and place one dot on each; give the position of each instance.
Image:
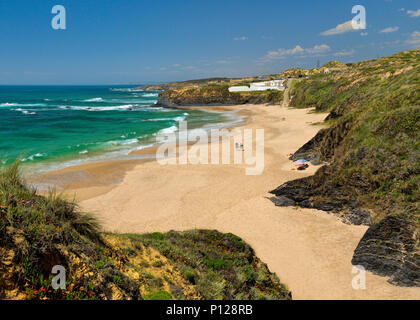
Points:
(401, 10)
(318, 49)
(243, 38)
(414, 38)
(298, 50)
(344, 53)
(364, 34)
(414, 14)
(341, 28)
(390, 30)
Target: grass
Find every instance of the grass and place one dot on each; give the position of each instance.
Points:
(190, 274)
(374, 116)
(372, 144)
(33, 227)
(158, 295)
(221, 266)
(217, 264)
(45, 220)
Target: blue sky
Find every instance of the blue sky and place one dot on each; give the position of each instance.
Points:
(134, 41)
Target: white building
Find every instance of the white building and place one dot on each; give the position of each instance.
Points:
(260, 86)
(239, 89)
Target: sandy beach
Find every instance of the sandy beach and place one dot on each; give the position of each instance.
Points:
(310, 250)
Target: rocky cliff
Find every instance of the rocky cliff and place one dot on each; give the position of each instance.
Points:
(216, 95)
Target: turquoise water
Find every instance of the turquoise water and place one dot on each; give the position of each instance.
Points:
(58, 124)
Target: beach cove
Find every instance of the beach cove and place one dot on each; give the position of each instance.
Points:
(310, 250)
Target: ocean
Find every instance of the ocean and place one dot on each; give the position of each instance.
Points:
(54, 126)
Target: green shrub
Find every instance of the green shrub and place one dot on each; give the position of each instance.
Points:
(216, 264)
(190, 275)
(158, 295)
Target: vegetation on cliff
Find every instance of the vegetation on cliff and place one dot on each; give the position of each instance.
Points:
(39, 232)
(372, 150)
(217, 95)
(335, 65)
(200, 83)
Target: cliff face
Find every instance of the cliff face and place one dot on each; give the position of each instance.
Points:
(216, 95)
(371, 146)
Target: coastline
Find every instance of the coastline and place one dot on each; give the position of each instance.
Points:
(99, 175)
(310, 250)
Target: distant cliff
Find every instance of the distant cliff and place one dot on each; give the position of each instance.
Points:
(200, 83)
(216, 95)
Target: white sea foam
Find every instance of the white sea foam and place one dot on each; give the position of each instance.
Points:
(123, 142)
(94, 100)
(24, 111)
(157, 119)
(126, 89)
(164, 119)
(139, 101)
(130, 141)
(32, 157)
(83, 152)
(110, 108)
(168, 130)
(8, 104)
(150, 95)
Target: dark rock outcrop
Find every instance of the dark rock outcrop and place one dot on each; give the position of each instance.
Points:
(388, 248)
(283, 201)
(310, 150)
(357, 217)
(311, 193)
